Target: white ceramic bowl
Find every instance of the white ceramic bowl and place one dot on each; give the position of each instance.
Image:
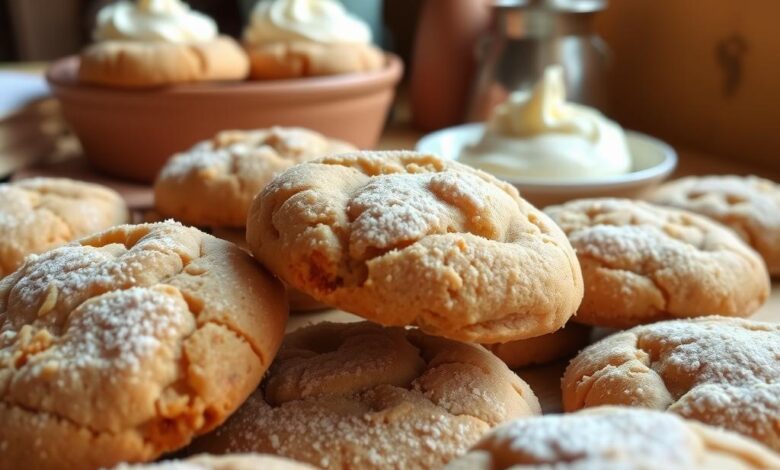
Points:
(653, 161)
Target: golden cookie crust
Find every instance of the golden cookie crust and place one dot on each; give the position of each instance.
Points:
(223, 462)
(643, 263)
(358, 395)
(145, 64)
(405, 238)
(614, 438)
(213, 183)
(721, 371)
(544, 349)
(297, 59)
(42, 213)
(746, 204)
(126, 344)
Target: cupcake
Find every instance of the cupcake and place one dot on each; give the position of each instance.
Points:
(306, 38)
(150, 43)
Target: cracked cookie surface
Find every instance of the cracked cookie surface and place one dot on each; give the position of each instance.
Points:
(746, 204)
(126, 344)
(359, 395)
(617, 439)
(643, 263)
(42, 213)
(721, 371)
(213, 184)
(404, 238)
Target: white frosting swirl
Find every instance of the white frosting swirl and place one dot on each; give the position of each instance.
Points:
(325, 21)
(539, 135)
(153, 20)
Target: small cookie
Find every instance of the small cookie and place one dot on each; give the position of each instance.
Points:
(144, 64)
(643, 263)
(124, 345)
(213, 183)
(748, 205)
(358, 395)
(298, 59)
(722, 371)
(614, 438)
(223, 462)
(544, 349)
(42, 213)
(405, 238)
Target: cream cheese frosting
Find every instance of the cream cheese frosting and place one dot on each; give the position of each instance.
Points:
(324, 21)
(170, 21)
(538, 135)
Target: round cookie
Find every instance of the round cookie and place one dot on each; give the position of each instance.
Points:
(358, 395)
(144, 64)
(213, 183)
(544, 349)
(42, 213)
(614, 438)
(223, 462)
(721, 371)
(748, 205)
(296, 59)
(643, 263)
(126, 344)
(405, 238)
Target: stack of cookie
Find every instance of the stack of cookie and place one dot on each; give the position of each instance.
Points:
(121, 344)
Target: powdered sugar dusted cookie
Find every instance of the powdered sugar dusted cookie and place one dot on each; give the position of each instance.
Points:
(213, 183)
(721, 371)
(358, 395)
(42, 213)
(126, 344)
(223, 462)
(614, 438)
(748, 205)
(405, 238)
(643, 263)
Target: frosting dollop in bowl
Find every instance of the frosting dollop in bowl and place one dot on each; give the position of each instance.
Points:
(652, 161)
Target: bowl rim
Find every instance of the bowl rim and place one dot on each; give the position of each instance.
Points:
(662, 169)
(61, 76)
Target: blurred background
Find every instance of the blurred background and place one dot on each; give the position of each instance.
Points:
(704, 76)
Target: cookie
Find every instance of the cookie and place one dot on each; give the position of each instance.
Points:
(358, 395)
(42, 213)
(213, 183)
(126, 344)
(297, 59)
(144, 64)
(721, 371)
(224, 462)
(614, 438)
(406, 238)
(643, 263)
(544, 349)
(748, 205)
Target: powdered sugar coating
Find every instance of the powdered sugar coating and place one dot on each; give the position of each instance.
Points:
(721, 371)
(213, 183)
(38, 214)
(102, 345)
(644, 263)
(226, 462)
(404, 238)
(362, 396)
(748, 205)
(613, 438)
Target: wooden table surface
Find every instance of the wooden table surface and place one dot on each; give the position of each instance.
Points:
(545, 381)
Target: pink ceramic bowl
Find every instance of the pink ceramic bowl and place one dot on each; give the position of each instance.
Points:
(131, 133)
